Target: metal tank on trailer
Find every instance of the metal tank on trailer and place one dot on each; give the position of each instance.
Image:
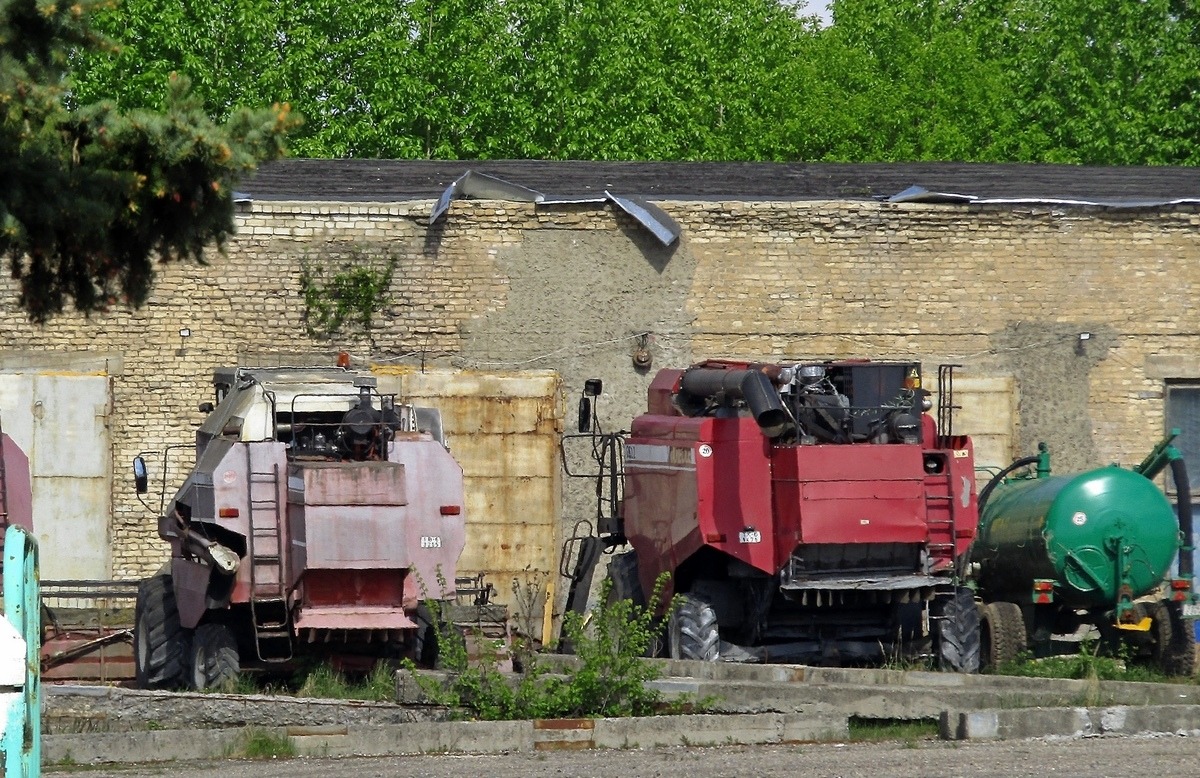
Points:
(1055, 553)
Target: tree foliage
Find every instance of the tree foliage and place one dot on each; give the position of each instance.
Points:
(891, 80)
(90, 194)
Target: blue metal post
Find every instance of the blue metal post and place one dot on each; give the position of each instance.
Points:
(22, 740)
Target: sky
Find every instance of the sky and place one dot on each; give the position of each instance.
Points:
(817, 7)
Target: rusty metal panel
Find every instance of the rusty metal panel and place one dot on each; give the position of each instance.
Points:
(503, 428)
(986, 409)
(505, 455)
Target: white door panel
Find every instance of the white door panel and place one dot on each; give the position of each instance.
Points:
(16, 404)
(59, 421)
(73, 544)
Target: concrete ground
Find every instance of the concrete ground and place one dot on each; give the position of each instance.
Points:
(753, 706)
(1162, 757)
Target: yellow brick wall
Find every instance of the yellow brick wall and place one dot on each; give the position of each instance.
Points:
(1001, 289)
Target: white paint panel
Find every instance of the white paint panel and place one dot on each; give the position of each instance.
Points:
(16, 400)
(59, 420)
(71, 524)
(69, 413)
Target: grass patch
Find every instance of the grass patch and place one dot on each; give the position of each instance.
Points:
(907, 730)
(324, 682)
(1088, 664)
(263, 744)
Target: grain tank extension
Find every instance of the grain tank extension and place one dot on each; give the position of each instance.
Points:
(806, 511)
(1094, 549)
(319, 514)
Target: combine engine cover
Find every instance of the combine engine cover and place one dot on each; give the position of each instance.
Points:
(814, 507)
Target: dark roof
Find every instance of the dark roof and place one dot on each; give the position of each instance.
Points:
(398, 180)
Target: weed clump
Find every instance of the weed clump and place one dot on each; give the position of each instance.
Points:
(610, 679)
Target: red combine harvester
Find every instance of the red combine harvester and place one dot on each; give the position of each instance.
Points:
(318, 517)
(809, 512)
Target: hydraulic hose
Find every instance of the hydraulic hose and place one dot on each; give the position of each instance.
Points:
(998, 477)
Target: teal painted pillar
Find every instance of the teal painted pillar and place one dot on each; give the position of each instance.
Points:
(22, 741)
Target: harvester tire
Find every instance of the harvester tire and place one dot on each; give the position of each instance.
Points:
(958, 631)
(213, 660)
(1002, 633)
(1173, 649)
(432, 633)
(160, 644)
(626, 585)
(692, 630)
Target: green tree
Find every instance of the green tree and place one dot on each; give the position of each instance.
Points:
(92, 194)
(1114, 83)
(1111, 82)
(1101, 83)
(472, 79)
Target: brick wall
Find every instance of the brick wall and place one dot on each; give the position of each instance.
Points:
(1003, 290)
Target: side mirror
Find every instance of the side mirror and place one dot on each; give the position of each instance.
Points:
(206, 407)
(593, 387)
(585, 414)
(140, 479)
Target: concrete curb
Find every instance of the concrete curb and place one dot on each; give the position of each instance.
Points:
(461, 737)
(1070, 722)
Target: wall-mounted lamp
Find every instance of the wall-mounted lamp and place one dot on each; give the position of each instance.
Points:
(184, 334)
(1084, 337)
(642, 359)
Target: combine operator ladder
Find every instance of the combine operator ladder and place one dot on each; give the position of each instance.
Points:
(940, 509)
(268, 598)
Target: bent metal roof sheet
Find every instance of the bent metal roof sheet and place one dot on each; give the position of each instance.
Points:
(360, 180)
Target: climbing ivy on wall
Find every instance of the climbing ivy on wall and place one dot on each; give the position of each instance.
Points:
(343, 293)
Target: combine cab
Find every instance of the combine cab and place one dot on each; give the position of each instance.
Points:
(319, 515)
(805, 512)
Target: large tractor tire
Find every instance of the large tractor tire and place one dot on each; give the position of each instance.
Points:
(1173, 647)
(213, 661)
(1002, 633)
(160, 644)
(692, 630)
(431, 627)
(957, 631)
(625, 583)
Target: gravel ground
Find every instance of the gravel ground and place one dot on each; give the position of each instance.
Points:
(1162, 757)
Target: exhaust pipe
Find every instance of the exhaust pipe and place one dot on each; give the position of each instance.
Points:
(754, 387)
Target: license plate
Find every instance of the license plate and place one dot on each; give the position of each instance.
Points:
(1191, 610)
(753, 536)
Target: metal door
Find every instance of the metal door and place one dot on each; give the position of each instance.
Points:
(60, 420)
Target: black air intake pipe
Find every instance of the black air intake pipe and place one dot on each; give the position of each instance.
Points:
(1183, 492)
(752, 386)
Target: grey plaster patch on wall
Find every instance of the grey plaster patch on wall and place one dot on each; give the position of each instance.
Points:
(1053, 367)
(579, 302)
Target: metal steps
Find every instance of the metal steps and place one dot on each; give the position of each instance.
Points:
(268, 595)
